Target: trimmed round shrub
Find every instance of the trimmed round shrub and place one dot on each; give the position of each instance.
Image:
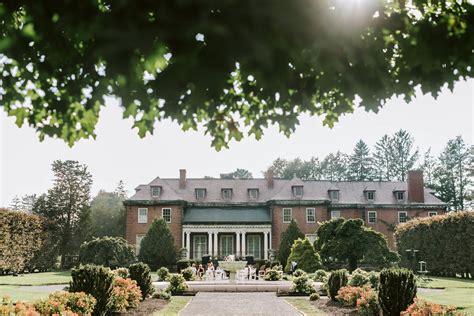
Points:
(177, 284)
(163, 273)
(140, 272)
(314, 297)
(122, 272)
(359, 278)
(96, 281)
(336, 280)
(110, 252)
(397, 289)
(320, 276)
(302, 284)
(272, 275)
(298, 273)
(61, 303)
(127, 294)
(188, 274)
(374, 279)
(164, 295)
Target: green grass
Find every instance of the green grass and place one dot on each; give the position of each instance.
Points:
(44, 278)
(176, 304)
(458, 292)
(305, 306)
(17, 293)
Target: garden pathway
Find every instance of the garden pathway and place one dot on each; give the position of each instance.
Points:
(205, 303)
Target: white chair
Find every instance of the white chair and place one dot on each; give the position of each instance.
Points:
(241, 275)
(209, 275)
(252, 274)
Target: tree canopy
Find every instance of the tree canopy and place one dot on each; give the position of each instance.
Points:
(232, 67)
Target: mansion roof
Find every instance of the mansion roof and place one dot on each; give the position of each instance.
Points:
(282, 190)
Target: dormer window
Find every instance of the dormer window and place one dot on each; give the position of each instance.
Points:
(370, 195)
(200, 194)
(334, 195)
(400, 195)
(155, 191)
(253, 194)
(297, 191)
(227, 194)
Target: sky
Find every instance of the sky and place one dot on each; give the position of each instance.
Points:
(119, 154)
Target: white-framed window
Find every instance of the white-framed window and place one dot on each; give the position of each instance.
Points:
(433, 213)
(199, 246)
(253, 194)
(200, 194)
(254, 246)
(166, 214)
(334, 195)
(142, 215)
(287, 215)
(335, 214)
(372, 217)
(311, 215)
(227, 194)
(370, 195)
(400, 196)
(311, 237)
(226, 245)
(402, 217)
(155, 190)
(139, 239)
(298, 191)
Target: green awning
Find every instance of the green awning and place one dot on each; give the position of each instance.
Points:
(226, 215)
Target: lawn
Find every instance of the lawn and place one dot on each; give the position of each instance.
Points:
(304, 306)
(44, 278)
(458, 292)
(176, 304)
(17, 293)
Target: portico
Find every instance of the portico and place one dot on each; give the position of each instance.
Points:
(223, 240)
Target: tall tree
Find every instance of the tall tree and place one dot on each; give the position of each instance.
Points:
(302, 169)
(287, 238)
(67, 205)
(296, 60)
(277, 167)
(382, 159)
(404, 156)
(120, 190)
(334, 167)
(451, 176)
(428, 166)
(360, 163)
(157, 248)
(242, 174)
(108, 215)
(24, 203)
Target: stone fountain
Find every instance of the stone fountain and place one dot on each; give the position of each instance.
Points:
(232, 266)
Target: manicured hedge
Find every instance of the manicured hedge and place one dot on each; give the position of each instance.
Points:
(444, 242)
(110, 252)
(21, 236)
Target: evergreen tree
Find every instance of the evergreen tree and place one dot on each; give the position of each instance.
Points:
(451, 176)
(403, 156)
(302, 169)
(360, 163)
(278, 167)
(334, 167)
(303, 253)
(287, 239)
(67, 205)
(242, 174)
(121, 191)
(428, 166)
(382, 159)
(157, 248)
(108, 214)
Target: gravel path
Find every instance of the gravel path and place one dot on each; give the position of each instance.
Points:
(205, 303)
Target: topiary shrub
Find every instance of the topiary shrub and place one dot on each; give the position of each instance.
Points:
(302, 284)
(336, 280)
(157, 248)
(273, 275)
(163, 273)
(110, 252)
(287, 238)
(298, 273)
(140, 272)
(188, 274)
(314, 297)
(320, 276)
(177, 284)
(122, 272)
(397, 290)
(359, 278)
(127, 294)
(374, 279)
(96, 281)
(303, 253)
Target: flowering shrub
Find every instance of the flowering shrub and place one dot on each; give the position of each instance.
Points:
(65, 302)
(368, 304)
(126, 294)
(423, 308)
(348, 295)
(7, 308)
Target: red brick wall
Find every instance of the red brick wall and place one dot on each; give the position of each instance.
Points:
(133, 228)
(299, 215)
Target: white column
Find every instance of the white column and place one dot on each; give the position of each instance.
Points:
(183, 245)
(237, 244)
(265, 245)
(244, 252)
(270, 237)
(188, 245)
(209, 240)
(215, 244)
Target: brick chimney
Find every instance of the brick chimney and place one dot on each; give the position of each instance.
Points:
(415, 186)
(182, 178)
(270, 181)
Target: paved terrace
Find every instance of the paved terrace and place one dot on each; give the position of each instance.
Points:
(237, 286)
